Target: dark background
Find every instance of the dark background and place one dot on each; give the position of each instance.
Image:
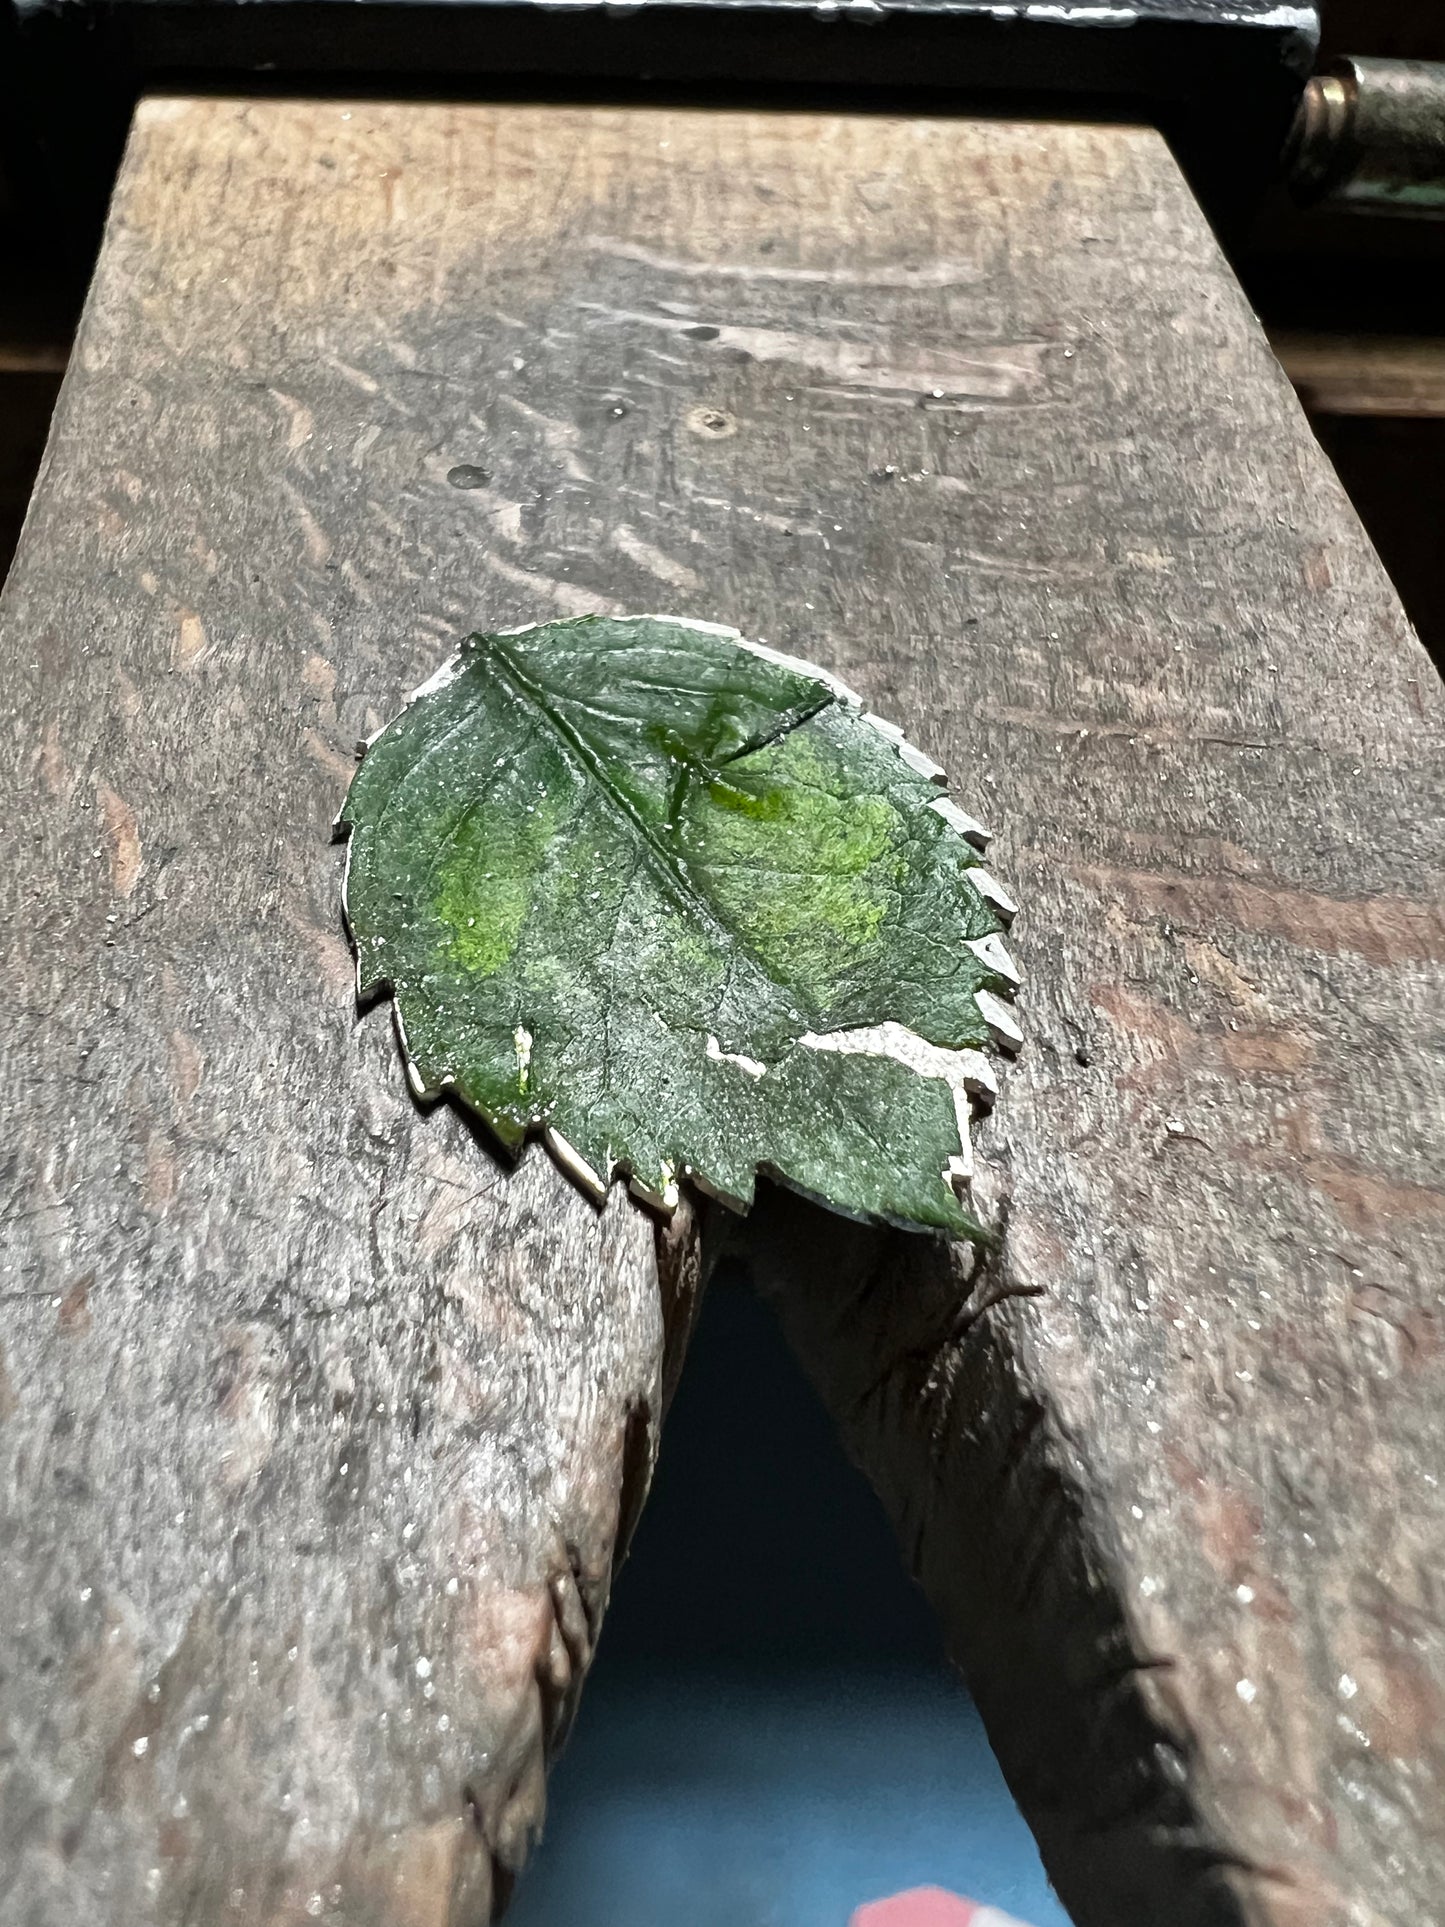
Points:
(769, 1736)
(760, 1545)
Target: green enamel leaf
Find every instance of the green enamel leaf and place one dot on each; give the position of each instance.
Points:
(682, 905)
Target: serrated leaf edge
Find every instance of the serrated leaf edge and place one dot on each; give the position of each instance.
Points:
(971, 1079)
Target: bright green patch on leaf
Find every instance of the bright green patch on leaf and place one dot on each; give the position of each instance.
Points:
(681, 904)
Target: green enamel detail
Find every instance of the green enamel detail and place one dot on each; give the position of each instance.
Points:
(628, 879)
(483, 884)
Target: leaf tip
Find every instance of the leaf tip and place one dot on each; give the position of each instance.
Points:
(993, 892)
(958, 820)
(993, 953)
(1000, 1019)
(575, 1166)
(663, 1197)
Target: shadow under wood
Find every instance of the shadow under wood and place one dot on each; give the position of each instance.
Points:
(913, 1346)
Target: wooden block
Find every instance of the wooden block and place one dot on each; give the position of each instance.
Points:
(318, 1435)
(1171, 1465)
(973, 414)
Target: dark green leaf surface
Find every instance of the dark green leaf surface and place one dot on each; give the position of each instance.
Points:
(683, 905)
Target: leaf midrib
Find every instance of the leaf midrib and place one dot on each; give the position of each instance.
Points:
(667, 868)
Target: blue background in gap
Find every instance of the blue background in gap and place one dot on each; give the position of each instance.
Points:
(770, 1737)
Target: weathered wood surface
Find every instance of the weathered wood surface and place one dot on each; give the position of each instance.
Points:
(314, 1431)
(974, 414)
(1171, 1466)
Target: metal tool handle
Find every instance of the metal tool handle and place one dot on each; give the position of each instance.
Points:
(1370, 136)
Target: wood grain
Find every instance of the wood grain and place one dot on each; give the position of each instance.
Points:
(319, 1433)
(974, 414)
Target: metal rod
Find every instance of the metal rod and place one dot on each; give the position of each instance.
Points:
(1370, 137)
